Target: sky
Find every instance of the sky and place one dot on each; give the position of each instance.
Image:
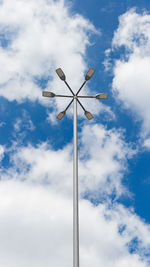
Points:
(36, 150)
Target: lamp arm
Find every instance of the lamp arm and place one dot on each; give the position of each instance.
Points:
(70, 96)
(86, 96)
(69, 88)
(81, 87)
(69, 104)
(81, 105)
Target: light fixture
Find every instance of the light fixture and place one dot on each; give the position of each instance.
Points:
(89, 74)
(88, 115)
(61, 115)
(48, 94)
(102, 96)
(61, 74)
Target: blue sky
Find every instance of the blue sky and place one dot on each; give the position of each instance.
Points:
(37, 37)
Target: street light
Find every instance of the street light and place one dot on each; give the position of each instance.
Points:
(61, 74)
(102, 96)
(48, 94)
(61, 115)
(89, 74)
(89, 116)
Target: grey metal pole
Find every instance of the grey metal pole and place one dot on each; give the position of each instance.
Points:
(75, 191)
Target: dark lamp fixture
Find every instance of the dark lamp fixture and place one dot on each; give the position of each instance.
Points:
(61, 115)
(48, 94)
(89, 74)
(61, 74)
(102, 96)
(88, 115)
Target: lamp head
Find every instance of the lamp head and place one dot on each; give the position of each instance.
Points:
(102, 96)
(48, 94)
(61, 115)
(89, 74)
(88, 115)
(61, 74)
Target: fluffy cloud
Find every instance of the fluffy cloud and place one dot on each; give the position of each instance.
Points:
(1, 152)
(36, 230)
(36, 205)
(30, 231)
(103, 148)
(99, 148)
(131, 72)
(37, 37)
(22, 125)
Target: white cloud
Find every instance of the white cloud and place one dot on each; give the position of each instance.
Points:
(147, 143)
(36, 205)
(42, 36)
(99, 148)
(1, 152)
(35, 227)
(103, 228)
(24, 123)
(103, 148)
(36, 230)
(131, 72)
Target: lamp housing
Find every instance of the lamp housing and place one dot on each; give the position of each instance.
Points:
(88, 115)
(48, 94)
(61, 115)
(102, 96)
(89, 74)
(61, 74)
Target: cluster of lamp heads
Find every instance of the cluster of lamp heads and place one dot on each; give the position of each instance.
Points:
(62, 76)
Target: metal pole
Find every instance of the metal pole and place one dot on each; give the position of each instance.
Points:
(75, 191)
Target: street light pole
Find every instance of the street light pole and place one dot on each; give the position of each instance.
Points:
(75, 147)
(75, 190)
